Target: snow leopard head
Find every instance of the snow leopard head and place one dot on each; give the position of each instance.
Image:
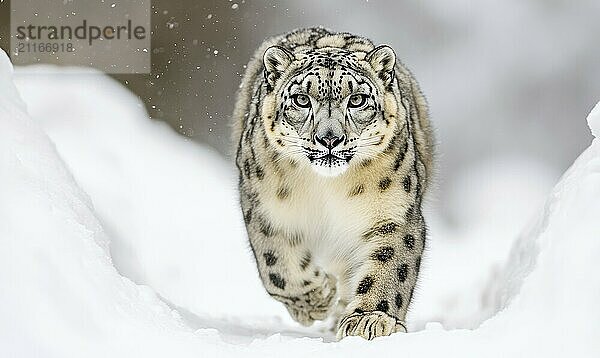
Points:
(329, 107)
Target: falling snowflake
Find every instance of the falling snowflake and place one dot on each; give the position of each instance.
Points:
(171, 24)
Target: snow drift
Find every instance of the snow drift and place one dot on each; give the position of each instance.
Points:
(112, 182)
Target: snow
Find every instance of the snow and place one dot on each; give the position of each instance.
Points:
(60, 295)
(121, 238)
(593, 120)
(486, 224)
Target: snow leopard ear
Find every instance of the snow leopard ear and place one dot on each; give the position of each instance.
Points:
(276, 59)
(383, 60)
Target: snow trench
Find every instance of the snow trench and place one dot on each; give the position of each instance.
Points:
(120, 238)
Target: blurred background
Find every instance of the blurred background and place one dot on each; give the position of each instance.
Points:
(509, 82)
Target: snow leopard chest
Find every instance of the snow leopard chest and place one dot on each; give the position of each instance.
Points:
(326, 216)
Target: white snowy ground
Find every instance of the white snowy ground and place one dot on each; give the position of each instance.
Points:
(86, 176)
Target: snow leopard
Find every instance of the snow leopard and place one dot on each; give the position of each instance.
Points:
(334, 152)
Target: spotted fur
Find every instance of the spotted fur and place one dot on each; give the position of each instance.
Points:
(334, 151)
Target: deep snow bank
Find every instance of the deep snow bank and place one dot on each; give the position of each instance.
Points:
(61, 296)
(59, 293)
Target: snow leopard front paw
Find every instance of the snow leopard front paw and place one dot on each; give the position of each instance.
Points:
(314, 304)
(369, 325)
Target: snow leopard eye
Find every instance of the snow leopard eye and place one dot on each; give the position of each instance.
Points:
(357, 100)
(301, 100)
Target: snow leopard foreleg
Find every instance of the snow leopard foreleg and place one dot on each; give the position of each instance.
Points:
(384, 282)
(289, 274)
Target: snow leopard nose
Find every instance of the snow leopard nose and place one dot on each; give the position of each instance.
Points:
(329, 140)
